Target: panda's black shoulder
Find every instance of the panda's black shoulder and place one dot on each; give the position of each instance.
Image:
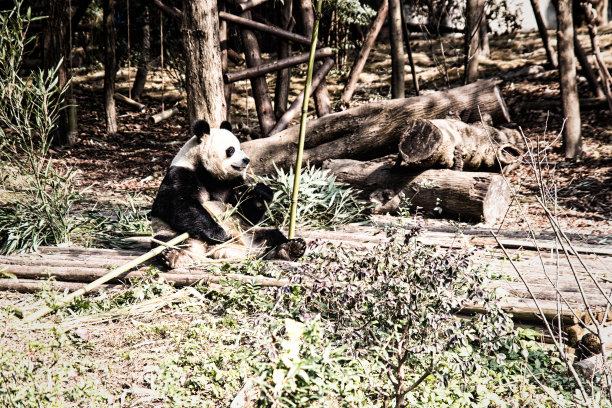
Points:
(180, 181)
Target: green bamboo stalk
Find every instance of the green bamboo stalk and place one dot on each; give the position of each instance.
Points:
(111, 275)
(298, 160)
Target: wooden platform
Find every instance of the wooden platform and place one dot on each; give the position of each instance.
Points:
(553, 276)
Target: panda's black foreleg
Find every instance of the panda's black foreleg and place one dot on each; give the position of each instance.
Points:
(252, 202)
(277, 246)
(188, 215)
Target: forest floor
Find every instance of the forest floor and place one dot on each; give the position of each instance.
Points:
(133, 162)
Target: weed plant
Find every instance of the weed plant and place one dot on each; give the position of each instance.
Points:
(324, 203)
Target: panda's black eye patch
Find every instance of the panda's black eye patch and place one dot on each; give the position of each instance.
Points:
(230, 151)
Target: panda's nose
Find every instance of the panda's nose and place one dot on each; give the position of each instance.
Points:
(246, 161)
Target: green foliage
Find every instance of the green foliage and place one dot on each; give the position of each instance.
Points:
(38, 196)
(322, 202)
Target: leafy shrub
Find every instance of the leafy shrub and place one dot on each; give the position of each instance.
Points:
(322, 201)
(38, 195)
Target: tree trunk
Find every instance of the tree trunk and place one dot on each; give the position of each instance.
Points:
(283, 77)
(550, 52)
(398, 88)
(145, 52)
(474, 14)
(572, 140)
(406, 31)
(452, 144)
(321, 95)
(587, 70)
(485, 49)
(224, 43)
(263, 104)
(447, 193)
(375, 129)
(55, 48)
(362, 57)
(204, 76)
(110, 66)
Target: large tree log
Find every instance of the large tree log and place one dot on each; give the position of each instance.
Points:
(447, 193)
(374, 130)
(450, 143)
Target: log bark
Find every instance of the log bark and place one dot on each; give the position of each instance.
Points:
(263, 103)
(204, 75)
(398, 87)
(572, 139)
(362, 57)
(263, 69)
(374, 130)
(471, 196)
(452, 144)
(110, 66)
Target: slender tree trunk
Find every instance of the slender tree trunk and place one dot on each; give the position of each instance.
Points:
(485, 49)
(204, 77)
(397, 50)
(283, 77)
(362, 57)
(321, 95)
(110, 66)
(54, 50)
(406, 31)
(474, 14)
(263, 104)
(572, 140)
(550, 52)
(587, 69)
(145, 51)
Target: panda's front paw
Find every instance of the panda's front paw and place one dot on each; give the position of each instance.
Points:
(263, 192)
(291, 250)
(217, 234)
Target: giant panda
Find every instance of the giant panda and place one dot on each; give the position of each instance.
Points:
(204, 193)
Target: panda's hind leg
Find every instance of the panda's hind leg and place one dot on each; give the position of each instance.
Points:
(176, 257)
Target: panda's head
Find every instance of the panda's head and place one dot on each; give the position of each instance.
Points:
(217, 149)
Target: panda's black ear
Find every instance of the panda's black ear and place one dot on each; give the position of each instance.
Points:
(226, 125)
(200, 128)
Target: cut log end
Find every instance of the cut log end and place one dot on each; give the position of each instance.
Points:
(497, 199)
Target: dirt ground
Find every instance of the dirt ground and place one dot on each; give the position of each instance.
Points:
(133, 161)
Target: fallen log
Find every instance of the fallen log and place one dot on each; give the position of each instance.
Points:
(453, 144)
(161, 116)
(35, 285)
(130, 102)
(447, 193)
(374, 130)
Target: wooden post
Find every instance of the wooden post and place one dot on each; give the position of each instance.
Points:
(110, 65)
(362, 57)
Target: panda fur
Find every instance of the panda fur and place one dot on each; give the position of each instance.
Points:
(204, 194)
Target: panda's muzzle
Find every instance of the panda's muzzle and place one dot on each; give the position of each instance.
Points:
(245, 163)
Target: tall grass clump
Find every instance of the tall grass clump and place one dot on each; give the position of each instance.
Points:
(36, 196)
(323, 202)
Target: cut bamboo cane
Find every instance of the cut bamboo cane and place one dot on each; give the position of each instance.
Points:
(112, 274)
(274, 66)
(161, 116)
